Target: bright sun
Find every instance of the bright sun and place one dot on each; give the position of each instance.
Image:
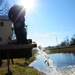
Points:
(28, 4)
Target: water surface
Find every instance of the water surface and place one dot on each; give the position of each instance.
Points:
(64, 63)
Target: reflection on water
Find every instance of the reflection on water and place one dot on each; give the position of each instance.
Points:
(63, 59)
(64, 62)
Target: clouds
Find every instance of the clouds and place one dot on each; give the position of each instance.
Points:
(44, 39)
(41, 34)
(46, 34)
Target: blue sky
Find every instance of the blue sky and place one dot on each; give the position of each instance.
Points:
(50, 19)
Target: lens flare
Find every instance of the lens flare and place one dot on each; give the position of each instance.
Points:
(28, 4)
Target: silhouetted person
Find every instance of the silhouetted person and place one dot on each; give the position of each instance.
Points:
(16, 15)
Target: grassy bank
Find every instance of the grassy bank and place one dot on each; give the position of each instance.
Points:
(20, 67)
(66, 49)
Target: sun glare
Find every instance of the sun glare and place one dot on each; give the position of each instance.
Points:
(28, 4)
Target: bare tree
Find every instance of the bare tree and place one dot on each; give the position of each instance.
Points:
(72, 42)
(4, 7)
(66, 42)
(63, 43)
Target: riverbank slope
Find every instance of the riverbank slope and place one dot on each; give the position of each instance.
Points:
(20, 67)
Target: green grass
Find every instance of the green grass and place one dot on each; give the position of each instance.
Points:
(20, 67)
(21, 70)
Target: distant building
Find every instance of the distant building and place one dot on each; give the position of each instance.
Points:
(5, 30)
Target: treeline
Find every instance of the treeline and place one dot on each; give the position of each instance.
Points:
(68, 42)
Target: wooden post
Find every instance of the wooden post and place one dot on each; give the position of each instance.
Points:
(8, 62)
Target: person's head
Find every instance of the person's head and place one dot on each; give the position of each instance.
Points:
(16, 12)
(20, 9)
